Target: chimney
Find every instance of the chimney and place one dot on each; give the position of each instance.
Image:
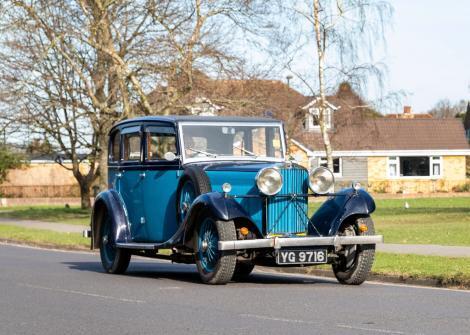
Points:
(407, 110)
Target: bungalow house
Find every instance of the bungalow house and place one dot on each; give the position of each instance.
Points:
(394, 155)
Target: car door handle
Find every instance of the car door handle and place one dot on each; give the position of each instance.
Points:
(118, 175)
(142, 175)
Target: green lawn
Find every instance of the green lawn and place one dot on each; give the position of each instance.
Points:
(72, 215)
(43, 237)
(444, 221)
(448, 271)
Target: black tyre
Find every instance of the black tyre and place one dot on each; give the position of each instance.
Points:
(242, 271)
(193, 183)
(355, 261)
(214, 266)
(113, 260)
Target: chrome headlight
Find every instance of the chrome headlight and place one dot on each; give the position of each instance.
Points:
(321, 180)
(269, 181)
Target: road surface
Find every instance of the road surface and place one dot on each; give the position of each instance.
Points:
(55, 292)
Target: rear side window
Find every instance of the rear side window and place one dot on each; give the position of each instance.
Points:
(131, 144)
(114, 153)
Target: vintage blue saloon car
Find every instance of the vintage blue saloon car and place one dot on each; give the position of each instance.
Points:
(221, 193)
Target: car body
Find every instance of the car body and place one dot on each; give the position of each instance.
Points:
(221, 192)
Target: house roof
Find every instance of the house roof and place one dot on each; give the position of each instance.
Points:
(392, 134)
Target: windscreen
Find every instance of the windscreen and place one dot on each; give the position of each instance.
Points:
(225, 140)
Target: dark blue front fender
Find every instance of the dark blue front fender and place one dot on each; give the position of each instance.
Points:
(109, 203)
(221, 208)
(333, 212)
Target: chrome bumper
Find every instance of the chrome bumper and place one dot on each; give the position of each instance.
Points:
(281, 242)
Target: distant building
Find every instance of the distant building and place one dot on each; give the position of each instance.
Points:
(397, 155)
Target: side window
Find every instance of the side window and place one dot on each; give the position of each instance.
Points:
(114, 147)
(159, 144)
(131, 147)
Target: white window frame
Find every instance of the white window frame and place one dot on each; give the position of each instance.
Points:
(316, 112)
(323, 160)
(395, 160)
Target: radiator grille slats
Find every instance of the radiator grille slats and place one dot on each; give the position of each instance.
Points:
(286, 215)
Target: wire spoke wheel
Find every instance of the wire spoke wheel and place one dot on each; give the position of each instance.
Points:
(214, 266)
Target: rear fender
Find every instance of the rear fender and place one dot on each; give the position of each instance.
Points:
(221, 207)
(109, 203)
(346, 204)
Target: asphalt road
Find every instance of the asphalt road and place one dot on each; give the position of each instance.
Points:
(53, 292)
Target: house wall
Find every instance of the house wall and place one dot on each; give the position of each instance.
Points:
(453, 175)
(40, 180)
(299, 155)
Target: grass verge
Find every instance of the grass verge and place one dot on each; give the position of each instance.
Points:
(444, 221)
(72, 215)
(446, 271)
(43, 238)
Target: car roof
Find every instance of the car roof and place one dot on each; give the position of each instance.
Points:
(194, 118)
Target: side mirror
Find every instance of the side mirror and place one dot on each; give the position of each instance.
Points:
(170, 156)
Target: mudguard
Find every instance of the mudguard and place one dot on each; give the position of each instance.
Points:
(109, 202)
(222, 208)
(345, 204)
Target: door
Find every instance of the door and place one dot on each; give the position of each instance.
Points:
(131, 178)
(161, 182)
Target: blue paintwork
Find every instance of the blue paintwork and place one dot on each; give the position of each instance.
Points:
(131, 188)
(333, 212)
(159, 197)
(208, 235)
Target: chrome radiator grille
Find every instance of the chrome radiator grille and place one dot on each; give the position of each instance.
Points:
(287, 214)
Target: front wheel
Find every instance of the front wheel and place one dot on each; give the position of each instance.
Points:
(113, 260)
(214, 266)
(355, 261)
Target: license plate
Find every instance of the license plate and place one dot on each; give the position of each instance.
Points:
(316, 256)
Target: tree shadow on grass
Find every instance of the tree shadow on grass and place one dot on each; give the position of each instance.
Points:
(188, 273)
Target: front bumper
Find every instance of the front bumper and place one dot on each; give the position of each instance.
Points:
(281, 242)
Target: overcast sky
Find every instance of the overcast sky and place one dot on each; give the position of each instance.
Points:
(428, 51)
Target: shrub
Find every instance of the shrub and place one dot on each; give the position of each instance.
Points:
(462, 187)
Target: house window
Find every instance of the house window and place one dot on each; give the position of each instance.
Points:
(337, 165)
(313, 119)
(416, 166)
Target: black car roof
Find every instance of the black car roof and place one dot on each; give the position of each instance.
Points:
(195, 118)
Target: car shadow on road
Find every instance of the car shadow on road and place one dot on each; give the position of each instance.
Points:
(188, 273)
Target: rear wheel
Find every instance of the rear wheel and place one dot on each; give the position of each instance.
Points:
(242, 270)
(113, 260)
(355, 261)
(214, 266)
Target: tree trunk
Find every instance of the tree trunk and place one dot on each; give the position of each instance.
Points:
(85, 194)
(103, 163)
(321, 80)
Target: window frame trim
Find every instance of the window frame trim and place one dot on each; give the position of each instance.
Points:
(431, 176)
(323, 160)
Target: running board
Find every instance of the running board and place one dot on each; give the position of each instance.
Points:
(138, 246)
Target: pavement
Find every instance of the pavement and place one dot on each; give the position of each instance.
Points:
(58, 227)
(417, 249)
(57, 292)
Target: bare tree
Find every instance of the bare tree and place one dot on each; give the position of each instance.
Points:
(444, 108)
(338, 37)
(73, 68)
